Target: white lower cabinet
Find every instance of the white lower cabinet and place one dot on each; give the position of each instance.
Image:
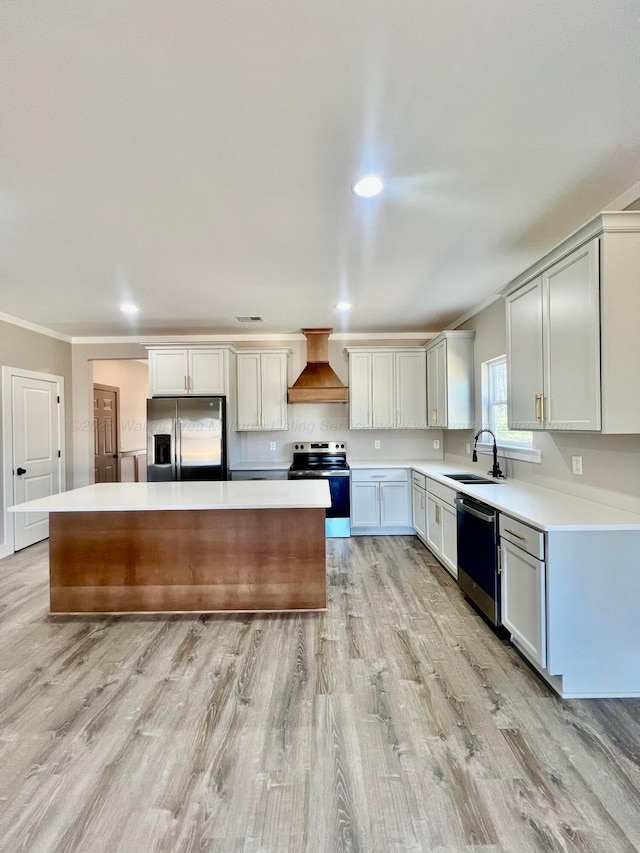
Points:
(442, 527)
(524, 587)
(419, 504)
(380, 501)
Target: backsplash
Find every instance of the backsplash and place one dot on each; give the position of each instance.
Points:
(329, 422)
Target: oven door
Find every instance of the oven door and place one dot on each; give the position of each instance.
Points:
(338, 517)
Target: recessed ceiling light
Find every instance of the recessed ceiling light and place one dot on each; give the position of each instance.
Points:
(368, 186)
(343, 306)
(129, 308)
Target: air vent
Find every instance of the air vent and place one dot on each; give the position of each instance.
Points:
(250, 318)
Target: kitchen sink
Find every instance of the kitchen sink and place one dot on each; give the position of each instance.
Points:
(470, 479)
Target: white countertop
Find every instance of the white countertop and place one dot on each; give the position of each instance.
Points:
(249, 494)
(546, 509)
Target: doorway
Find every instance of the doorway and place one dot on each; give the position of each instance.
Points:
(33, 449)
(105, 433)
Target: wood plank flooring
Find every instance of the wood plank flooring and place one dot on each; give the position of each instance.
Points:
(396, 721)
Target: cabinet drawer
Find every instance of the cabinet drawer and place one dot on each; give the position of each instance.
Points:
(376, 475)
(525, 537)
(419, 479)
(443, 492)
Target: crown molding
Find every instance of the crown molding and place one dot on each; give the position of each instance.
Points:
(476, 310)
(33, 327)
(161, 340)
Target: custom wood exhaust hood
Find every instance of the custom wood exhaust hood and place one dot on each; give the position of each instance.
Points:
(318, 382)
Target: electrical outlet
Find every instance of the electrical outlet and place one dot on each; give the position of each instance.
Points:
(436, 444)
(376, 444)
(467, 449)
(576, 464)
(272, 445)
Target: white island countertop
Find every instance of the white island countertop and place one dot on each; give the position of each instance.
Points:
(249, 494)
(546, 509)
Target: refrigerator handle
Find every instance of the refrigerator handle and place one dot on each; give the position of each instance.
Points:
(178, 458)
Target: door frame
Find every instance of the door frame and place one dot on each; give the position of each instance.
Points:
(116, 389)
(8, 546)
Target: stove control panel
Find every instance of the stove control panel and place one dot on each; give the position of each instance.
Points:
(320, 447)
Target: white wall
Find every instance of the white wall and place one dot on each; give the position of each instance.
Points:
(132, 379)
(610, 463)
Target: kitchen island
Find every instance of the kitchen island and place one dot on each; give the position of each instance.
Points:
(187, 546)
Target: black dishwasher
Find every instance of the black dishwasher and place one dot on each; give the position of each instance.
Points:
(478, 555)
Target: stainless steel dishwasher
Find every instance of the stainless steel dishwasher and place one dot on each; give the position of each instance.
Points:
(478, 573)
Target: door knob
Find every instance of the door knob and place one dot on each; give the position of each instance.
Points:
(115, 455)
(21, 471)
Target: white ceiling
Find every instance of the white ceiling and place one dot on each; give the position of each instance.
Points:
(197, 157)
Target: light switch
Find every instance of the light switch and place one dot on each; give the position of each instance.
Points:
(576, 464)
(376, 444)
(272, 445)
(436, 444)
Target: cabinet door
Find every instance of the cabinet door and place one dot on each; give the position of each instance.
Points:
(437, 385)
(434, 528)
(207, 372)
(411, 390)
(449, 526)
(360, 390)
(523, 588)
(572, 341)
(168, 372)
(249, 402)
(383, 409)
(419, 511)
(524, 356)
(365, 505)
(274, 390)
(394, 505)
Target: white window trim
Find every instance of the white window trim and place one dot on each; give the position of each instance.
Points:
(507, 451)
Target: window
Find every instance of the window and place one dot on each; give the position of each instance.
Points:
(494, 405)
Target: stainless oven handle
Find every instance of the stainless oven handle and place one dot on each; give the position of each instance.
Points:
(466, 508)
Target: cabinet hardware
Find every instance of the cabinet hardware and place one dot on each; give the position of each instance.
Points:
(538, 418)
(373, 418)
(499, 561)
(542, 416)
(186, 383)
(437, 513)
(434, 416)
(517, 535)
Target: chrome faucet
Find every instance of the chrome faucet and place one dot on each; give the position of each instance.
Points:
(495, 470)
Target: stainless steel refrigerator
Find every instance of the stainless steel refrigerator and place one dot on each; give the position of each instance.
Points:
(186, 439)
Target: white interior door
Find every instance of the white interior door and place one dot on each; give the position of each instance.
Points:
(36, 445)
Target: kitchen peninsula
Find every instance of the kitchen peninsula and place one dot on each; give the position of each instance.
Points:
(187, 546)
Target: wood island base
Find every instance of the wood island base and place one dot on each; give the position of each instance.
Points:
(187, 560)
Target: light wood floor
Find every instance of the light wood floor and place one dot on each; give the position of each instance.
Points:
(397, 721)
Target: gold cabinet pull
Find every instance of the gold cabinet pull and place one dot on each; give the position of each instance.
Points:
(538, 408)
(513, 533)
(186, 383)
(542, 415)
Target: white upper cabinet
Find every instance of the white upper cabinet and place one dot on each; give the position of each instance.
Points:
(572, 332)
(450, 402)
(387, 388)
(553, 346)
(181, 371)
(262, 390)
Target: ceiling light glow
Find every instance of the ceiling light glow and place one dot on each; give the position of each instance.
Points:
(343, 306)
(368, 186)
(129, 308)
